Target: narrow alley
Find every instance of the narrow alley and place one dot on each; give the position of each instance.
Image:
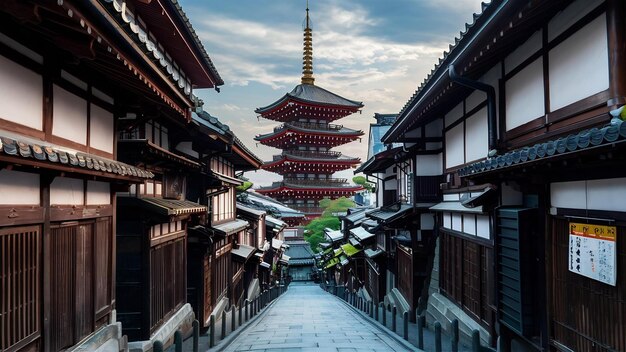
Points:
(306, 318)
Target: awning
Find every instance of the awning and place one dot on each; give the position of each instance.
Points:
(349, 249)
(230, 227)
(331, 263)
(456, 207)
(265, 265)
(361, 234)
(226, 179)
(333, 235)
(243, 253)
(390, 213)
(250, 211)
(276, 243)
(284, 259)
(480, 199)
(276, 224)
(169, 207)
(373, 253)
(354, 241)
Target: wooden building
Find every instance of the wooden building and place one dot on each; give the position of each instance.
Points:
(71, 72)
(529, 102)
(306, 138)
(222, 246)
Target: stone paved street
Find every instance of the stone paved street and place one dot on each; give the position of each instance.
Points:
(308, 319)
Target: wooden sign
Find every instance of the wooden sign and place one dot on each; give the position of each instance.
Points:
(592, 251)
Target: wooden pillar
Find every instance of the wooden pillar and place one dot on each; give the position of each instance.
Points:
(46, 180)
(616, 29)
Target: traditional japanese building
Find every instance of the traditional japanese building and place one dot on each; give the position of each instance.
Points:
(306, 138)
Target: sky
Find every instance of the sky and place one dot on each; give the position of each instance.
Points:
(372, 51)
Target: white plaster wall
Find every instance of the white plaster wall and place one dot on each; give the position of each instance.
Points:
(447, 220)
(523, 52)
(524, 95)
(98, 193)
(570, 15)
(21, 95)
(67, 191)
(607, 194)
(579, 66)
(469, 224)
(457, 222)
(511, 196)
(482, 226)
(101, 126)
(187, 148)
(69, 116)
(428, 165)
(474, 99)
(19, 188)
(455, 148)
(568, 195)
(434, 129)
(476, 136)
(451, 197)
(454, 114)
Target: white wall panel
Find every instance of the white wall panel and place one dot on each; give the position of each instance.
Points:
(455, 147)
(187, 148)
(447, 220)
(482, 226)
(101, 129)
(469, 224)
(607, 194)
(524, 95)
(98, 193)
(476, 136)
(19, 188)
(570, 15)
(434, 129)
(21, 95)
(474, 99)
(428, 165)
(451, 197)
(457, 222)
(523, 52)
(67, 191)
(579, 66)
(69, 116)
(454, 114)
(568, 195)
(391, 184)
(511, 196)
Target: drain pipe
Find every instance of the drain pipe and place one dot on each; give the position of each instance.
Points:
(491, 105)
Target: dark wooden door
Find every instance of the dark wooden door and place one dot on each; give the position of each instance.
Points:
(83, 296)
(207, 299)
(62, 254)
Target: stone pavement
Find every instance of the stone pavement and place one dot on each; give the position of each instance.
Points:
(308, 319)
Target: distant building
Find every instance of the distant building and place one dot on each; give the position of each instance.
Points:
(306, 138)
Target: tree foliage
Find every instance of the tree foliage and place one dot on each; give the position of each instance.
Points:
(245, 186)
(362, 181)
(314, 231)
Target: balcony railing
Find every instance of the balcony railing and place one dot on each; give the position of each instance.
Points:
(309, 154)
(306, 208)
(427, 188)
(310, 126)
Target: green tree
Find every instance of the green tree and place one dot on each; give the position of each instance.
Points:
(246, 185)
(314, 231)
(362, 181)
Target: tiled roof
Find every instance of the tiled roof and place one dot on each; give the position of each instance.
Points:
(28, 148)
(170, 207)
(301, 254)
(312, 94)
(615, 132)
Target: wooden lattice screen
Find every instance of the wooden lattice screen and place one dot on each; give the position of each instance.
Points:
(20, 267)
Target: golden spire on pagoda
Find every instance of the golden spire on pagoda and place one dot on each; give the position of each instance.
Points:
(307, 59)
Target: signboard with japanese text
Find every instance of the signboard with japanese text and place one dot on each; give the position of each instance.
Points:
(592, 251)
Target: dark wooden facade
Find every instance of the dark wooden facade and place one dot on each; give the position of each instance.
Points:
(515, 243)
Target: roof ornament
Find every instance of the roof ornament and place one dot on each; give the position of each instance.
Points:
(307, 59)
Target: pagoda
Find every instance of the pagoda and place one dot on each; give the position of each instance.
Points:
(306, 137)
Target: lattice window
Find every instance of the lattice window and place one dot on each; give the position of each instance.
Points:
(19, 282)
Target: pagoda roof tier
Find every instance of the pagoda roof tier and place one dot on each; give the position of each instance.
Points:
(310, 162)
(293, 134)
(309, 184)
(309, 101)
